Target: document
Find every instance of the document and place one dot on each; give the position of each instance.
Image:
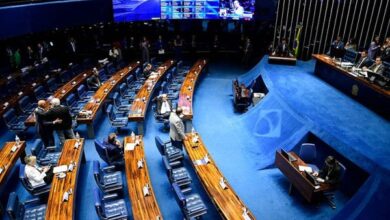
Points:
(60, 169)
(305, 168)
(130, 146)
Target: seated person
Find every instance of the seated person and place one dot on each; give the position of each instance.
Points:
(245, 93)
(377, 68)
(337, 48)
(114, 149)
(93, 82)
(282, 49)
(330, 173)
(148, 70)
(363, 61)
(164, 106)
(35, 174)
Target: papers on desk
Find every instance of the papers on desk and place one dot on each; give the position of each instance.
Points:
(222, 183)
(320, 180)
(130, 146)
(1, 170)
(305, 169)
(14, 148)
(346, 64)
(202, 161)
(317, 187)
(60, 169)
(145, 190)
(140, 163)
(245, 214)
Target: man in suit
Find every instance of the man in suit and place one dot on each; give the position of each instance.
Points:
(377, 67)
(114, 149)
(176, 130)
(282, 49)
(64, 129)
(363, 61)
(93, 82)
(43, 125)
(164, 106)
(331, 171)
(337, 48)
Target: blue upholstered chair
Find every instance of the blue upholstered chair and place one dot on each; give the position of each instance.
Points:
(45, 155)
(329, 195)
(65, 76)
(350, 55)
(52, 85)
(74, 105)
(116, 120)
(110, 206)
(308, 153)
(27, 210)
(83, 94)
(26, 105)
(103, 75)
(41, 93)
(173, 154)
(110, 68)
(179, 175)
(101, 149)
(191, 206)
(14, 122)
(40, 190)
(126, 93)
(121, 105)
(107, 178)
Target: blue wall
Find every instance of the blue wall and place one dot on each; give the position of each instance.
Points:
(30, 18)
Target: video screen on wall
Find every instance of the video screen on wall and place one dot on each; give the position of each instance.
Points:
(142, 10)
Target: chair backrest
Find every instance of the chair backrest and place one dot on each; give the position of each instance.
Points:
(164, 87)
(174, 70)
(65, 76)
(115, 99)
(98, 204)
(52, 85)
(110, 68)
(81, 90)
(102, 73)
(9, 116)
(122, 89)
(129, 80)
(350, 55)
(179, 64)
(181, 199)
(343, 169)
(160, 145)
(308, 152)
(37, 147)
(39, 90)
(13, 206)
(110, 112)
(386, 72)
(97, 172)
(70, 100)
(101, 150)
(137, 73)
(23, 102)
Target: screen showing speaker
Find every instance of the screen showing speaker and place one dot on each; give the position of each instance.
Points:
(143, 10)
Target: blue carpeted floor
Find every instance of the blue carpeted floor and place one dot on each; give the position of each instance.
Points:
(243, 145)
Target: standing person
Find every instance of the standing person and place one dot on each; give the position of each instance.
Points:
(247, 51)
(337, 48)
(44, 126)
(17, 58)
(176, 130)
(178, 45)
(94, 82)
(386, 50)
(30, 57)
(160, 45)
(374, 48)
(145, 50)
(64, 129)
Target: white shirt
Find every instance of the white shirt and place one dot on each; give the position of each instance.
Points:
(113, 53)
(165, 107)
(34, 176)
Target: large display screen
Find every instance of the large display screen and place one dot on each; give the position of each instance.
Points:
(142, 10)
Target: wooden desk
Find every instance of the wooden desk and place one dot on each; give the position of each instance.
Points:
(63, 92)
(143, 207)
(56, 208)
(186, 95)
(297, 178)
(282, 60)
(226, 200)
(141, 102)
(8, 159)
(100, 96)
(369, 94)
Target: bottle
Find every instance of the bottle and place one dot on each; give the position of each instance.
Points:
(17, 140)
(193, 131)
(77, 135)
(132, 136)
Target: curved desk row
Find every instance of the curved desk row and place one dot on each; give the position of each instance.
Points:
(143, 200)
(9, 154)
(141, 101)
(186, 94)
(63, 92)
(91, 109)
(57, 206)
(220, 191)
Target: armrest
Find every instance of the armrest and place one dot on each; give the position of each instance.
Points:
(109, 168)
(110, 196)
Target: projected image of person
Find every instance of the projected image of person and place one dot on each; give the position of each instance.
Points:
(236, 9)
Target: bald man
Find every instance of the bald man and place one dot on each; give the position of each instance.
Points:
(44, 125)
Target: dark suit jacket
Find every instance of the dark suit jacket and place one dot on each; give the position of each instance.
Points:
(93, 82)
(114, 152)
(363, 62)
(331, 176)
(379, 70)
(280, 51)
(42, 122)
(62, 112)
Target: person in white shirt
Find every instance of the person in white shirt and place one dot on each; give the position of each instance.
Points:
(35, 174)
(114, 54)
(164, 106)
(238, 9)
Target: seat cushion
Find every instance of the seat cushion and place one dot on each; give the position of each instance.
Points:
(114, 207)
(35, 213)
(112, 178)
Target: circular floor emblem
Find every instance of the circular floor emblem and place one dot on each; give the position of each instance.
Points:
(355, 90)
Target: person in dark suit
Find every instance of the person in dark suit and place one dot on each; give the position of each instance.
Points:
(114, 149)
(147, 70)
(377, 67)
(386, 50)
(330, 172)
(337, 48)
(64, 129)
(93, 82)
(363, 61)
(282, 49)
(44, 127)
(72, 50)
(164, 106)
